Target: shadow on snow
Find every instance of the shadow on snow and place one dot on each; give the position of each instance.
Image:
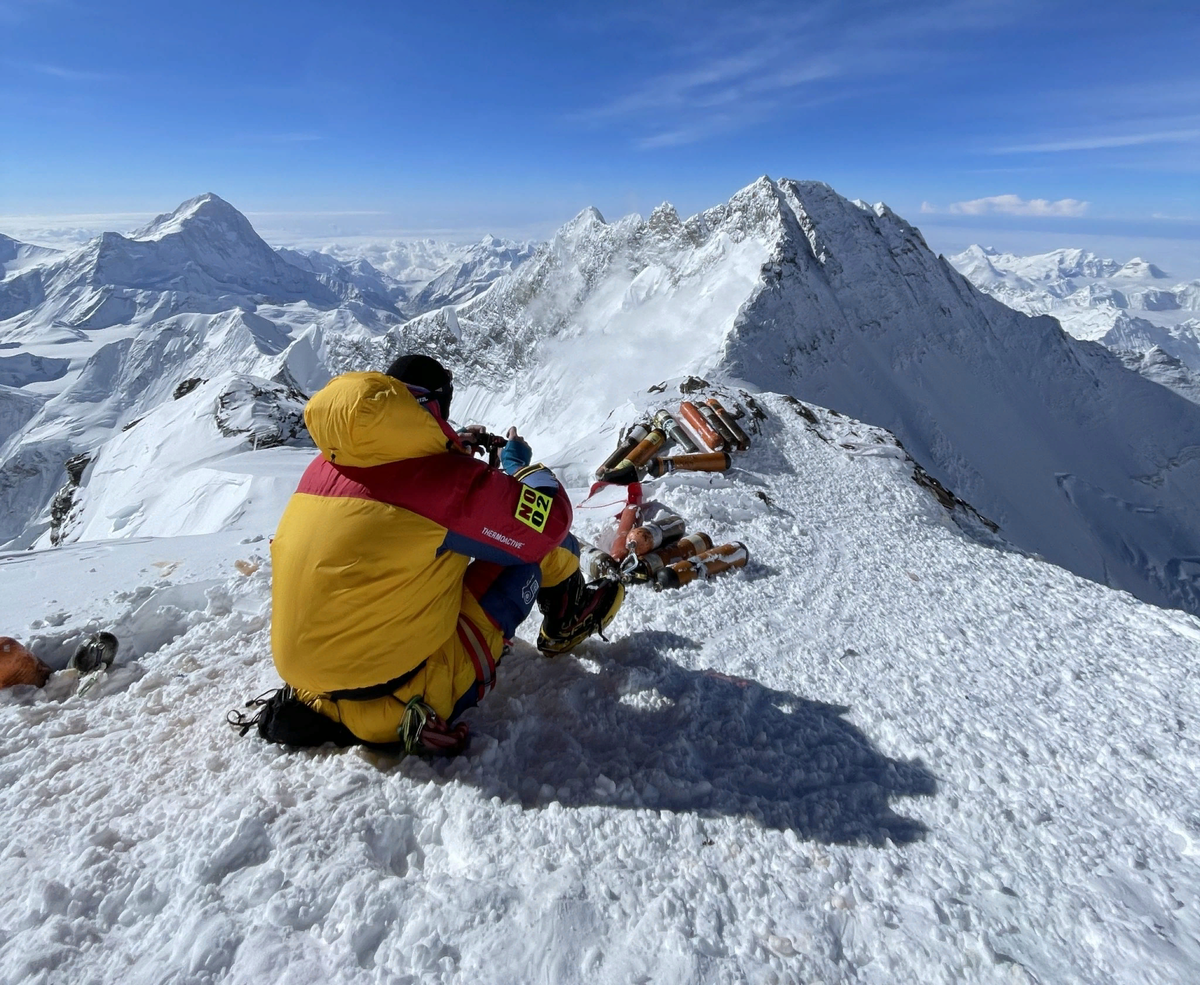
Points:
(637, 730)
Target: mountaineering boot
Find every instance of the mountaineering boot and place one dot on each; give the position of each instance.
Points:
(98, 650)
(574, 610)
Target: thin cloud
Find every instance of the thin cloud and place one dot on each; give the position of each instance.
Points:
(734, 70)
(1012, 205)
(69, 74)
(1101, 142)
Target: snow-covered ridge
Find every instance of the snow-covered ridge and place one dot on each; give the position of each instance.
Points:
(16, 256)
(787, 286)
(95, 339)
(792, 288)
(884, 751)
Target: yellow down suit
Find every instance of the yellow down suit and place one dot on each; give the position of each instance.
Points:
(402, 564)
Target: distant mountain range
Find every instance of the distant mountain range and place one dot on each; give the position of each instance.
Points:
(1132, 308)
(147, 360)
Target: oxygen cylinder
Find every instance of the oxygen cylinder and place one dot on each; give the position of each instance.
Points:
(596, 564)
(632, 437)
(674, 431)
(641, 540)
(717, 425)
(629, 517)
(703, 566)
(649, 565)
(695, 420)
(710, 461)
(739, 436)
(644, 450)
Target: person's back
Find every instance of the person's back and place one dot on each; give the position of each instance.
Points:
(377, 602)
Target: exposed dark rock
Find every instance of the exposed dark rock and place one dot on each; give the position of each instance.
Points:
(187, 386)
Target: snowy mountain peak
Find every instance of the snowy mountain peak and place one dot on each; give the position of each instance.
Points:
(8, 247)
(586, 217)
(792, 288)
(207, 210)
(16, 256)
(1139, 269)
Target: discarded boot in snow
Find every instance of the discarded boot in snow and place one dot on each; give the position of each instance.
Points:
(574, 610)
(98, 650)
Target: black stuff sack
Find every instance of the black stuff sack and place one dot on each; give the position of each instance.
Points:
(285, 719)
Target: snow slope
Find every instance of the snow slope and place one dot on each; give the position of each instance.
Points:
(16, 256)
(107, 333)
(787, 286)
(882, 753)
(889, 750)
(429, 274)
(792, 288)
(420, 276)
(205, 248)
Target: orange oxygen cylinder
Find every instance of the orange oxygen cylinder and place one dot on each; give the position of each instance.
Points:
(702, 566)
(649, 565)
(740, 437)
(641, 540)
(695, 420)
(629, 518)
(644, 450)
(705, 461)
(635, 435)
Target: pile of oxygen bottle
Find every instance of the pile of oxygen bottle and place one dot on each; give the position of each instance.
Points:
(655, 547)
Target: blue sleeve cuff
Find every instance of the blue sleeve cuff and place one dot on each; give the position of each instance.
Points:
(515, 455)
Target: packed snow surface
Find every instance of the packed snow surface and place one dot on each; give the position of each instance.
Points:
(883, 752)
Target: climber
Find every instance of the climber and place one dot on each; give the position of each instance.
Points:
(403, 565)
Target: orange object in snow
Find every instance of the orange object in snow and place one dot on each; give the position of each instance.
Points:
(19, 666)
(705, 461)
(649, 565)
(704, 431)
(643, 539)
(629, 517)
(702, 566)
(645, 449)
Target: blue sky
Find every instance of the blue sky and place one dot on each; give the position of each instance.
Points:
(1014, 120)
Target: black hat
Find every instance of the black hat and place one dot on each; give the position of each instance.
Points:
(426, 372)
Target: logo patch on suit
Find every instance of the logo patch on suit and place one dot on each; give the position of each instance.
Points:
(533, 508)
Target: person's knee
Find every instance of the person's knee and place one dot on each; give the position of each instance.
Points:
(508, 597)
(560, 563)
